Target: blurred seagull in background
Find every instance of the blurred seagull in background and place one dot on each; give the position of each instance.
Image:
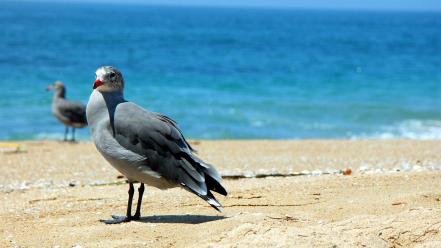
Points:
(70, 113)
(144, 146)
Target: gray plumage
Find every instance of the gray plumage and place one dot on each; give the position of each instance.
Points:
(70, 113)
(146, 147)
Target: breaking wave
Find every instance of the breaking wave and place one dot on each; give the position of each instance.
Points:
(410, 129)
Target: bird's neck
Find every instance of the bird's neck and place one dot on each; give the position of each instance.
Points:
(101, 107)
(60, 94)
(113, 98)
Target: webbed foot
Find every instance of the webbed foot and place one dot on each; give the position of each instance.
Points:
(118, 219)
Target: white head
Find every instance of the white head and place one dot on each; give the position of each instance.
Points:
(108, 79)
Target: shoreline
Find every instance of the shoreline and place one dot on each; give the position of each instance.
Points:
(60, 191)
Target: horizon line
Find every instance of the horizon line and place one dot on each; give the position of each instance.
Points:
(229, 6)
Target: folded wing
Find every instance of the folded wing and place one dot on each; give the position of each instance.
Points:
(158, 138)
(73, 111)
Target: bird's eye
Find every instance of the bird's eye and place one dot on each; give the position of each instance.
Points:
(112, 75)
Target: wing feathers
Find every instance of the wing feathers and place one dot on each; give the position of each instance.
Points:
(158, 138)
(214, 185)
(198, 176)
(197, 187)
(74, 111)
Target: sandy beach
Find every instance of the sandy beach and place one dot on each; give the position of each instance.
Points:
(321, 194)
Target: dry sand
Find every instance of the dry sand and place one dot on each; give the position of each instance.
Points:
(55, 194)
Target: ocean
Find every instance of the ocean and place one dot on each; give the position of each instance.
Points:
(228, 73)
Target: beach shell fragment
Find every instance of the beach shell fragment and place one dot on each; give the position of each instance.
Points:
(347, 172)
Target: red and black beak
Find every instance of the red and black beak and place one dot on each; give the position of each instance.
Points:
(97, 83)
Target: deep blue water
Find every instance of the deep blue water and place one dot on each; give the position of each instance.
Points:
(229, 73)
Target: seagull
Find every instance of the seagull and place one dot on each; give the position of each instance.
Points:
(145, 146)
(70, 113)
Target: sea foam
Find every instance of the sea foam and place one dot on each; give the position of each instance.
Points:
(409, 129)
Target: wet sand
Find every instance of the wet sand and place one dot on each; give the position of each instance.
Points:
(326, 194)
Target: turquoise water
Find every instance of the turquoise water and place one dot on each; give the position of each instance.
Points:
(229, 73)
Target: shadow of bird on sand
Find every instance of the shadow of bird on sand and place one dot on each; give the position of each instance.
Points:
(174, 219)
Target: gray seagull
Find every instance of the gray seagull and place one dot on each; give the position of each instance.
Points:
(145, 146)
(70, 113)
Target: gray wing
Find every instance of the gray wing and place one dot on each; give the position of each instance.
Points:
(158, 138)
(73, 111)
(173, 123)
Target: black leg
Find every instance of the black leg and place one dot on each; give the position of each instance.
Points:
(128, 217)
(73, 134)
(129, 203)
(66, 131)
(138, 207)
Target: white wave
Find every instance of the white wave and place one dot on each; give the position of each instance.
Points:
(409, 129)
(58, 136)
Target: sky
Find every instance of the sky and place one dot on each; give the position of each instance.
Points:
(434, 5)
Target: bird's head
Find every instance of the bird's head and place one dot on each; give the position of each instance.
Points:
(108, 79)
(58, 87)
